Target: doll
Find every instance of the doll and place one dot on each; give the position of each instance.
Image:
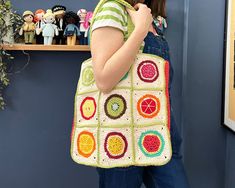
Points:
(38, 19)
(59, 12)
(49, 30)
(28, 28)
(82, 13)
(87, 25)
(71, 31)
(161, 24)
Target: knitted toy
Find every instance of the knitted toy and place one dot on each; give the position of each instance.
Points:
(129, 125)
(161, 24)
(88, 18)
(82, 13)
(49, 30)
(59, 12)
(71, 31)
(28, 27)
(38, 19)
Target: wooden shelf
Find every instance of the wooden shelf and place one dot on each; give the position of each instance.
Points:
(37, 47)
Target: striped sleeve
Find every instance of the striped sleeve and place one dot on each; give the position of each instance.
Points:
(111, 14)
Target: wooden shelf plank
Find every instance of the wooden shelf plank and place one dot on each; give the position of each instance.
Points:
(38, 47)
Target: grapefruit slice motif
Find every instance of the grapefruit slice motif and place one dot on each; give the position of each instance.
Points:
(148, 106)
(85, 144)
(147, 71)
(88, 108)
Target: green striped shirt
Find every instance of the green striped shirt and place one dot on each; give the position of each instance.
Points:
(111, 14)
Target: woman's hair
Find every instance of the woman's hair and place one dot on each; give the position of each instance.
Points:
(158, 7)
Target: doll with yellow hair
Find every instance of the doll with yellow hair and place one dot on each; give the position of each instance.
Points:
(49, 30)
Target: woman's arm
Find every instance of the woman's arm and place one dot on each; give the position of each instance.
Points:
(111, 56)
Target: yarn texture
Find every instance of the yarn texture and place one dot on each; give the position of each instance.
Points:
(128, 126)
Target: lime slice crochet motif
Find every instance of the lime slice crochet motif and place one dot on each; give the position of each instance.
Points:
(88, 76)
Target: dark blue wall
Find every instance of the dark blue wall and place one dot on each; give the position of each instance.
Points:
(204, 137)
(208, 146)
(35, 128)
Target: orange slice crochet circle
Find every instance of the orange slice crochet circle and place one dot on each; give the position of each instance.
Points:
(85, 143)
(148, 106)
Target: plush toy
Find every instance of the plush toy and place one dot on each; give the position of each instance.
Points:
(82, 13)
(88, 18)
(161, 24)
(71, 31)
(49, 30)
(59, 12)
(38, 19)
(28, 28)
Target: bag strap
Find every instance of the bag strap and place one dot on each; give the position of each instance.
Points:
(130, 25)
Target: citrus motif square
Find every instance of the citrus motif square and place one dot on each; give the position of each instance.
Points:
(116, 147)
(152, 145)
(148, 72)
(86, 109)
(86, 81)
(149, 107)
(115, 108)
(84, 145)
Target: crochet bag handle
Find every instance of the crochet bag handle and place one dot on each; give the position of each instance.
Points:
(130, 25)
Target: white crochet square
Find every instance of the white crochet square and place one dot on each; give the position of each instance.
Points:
(86, 81)
(152, 145)
(125, 81)
(85, 150)
(115, 147)
(149, 107)
(115, 108)
(149, 72)
(86, 109)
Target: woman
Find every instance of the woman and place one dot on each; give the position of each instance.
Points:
(107, 48)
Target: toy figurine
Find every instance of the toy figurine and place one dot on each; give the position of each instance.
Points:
(88, 18)
(49, 30)
(161, 24)
(83, 29)
(28, 28)
(71, 31)
(38, 19)
(59, 12)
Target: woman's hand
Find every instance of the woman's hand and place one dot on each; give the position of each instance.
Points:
(141, 18)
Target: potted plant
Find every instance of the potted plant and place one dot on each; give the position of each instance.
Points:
(10, 23)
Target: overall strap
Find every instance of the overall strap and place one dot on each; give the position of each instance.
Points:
(130, 25)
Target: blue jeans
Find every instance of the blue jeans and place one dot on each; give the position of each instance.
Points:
(170, 175)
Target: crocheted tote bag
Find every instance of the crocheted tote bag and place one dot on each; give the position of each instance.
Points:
(131, 124)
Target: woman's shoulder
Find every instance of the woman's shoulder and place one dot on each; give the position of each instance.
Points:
(112, 5)
(111, 13)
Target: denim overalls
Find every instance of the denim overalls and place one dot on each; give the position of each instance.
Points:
(159, 46)
(171, 175)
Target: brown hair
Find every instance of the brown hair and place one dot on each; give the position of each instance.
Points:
(158, 7)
